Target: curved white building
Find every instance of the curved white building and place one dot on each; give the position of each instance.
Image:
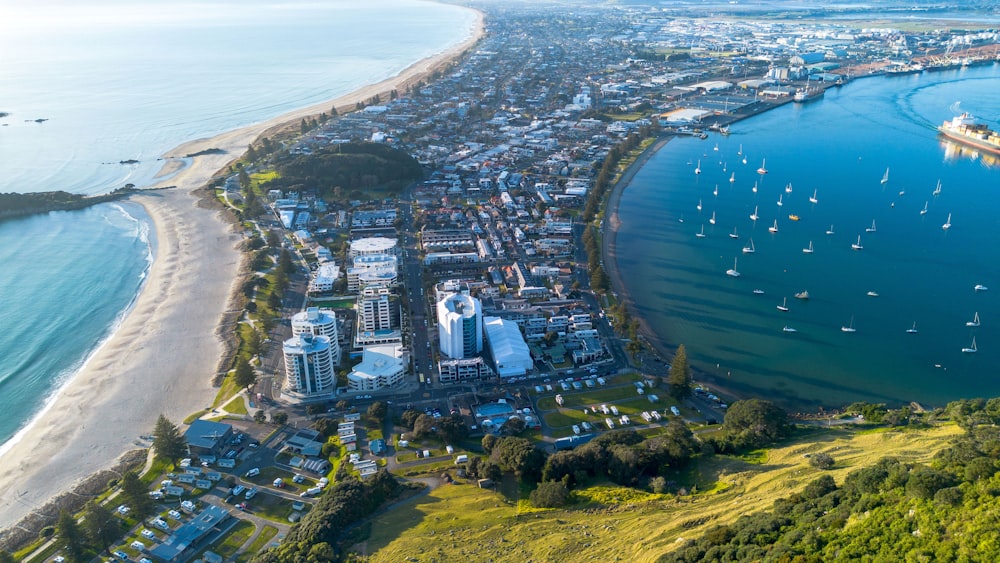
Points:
(460, 326)
(372, 245)
(318, 322)
(308, 365)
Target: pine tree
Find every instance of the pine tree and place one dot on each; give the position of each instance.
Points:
(244, 375)
(71, 536)
(136, 495)
(679, 378)
(168, 443)
(102, 527)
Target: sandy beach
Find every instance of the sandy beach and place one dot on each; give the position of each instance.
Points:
(163, 357)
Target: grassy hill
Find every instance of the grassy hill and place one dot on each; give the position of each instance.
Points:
(611, 523)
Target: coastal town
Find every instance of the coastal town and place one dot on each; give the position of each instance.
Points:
(404, 324)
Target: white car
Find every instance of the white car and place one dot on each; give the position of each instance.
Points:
(576, 429)
(148, 534)
(123, 510)
(587, 426)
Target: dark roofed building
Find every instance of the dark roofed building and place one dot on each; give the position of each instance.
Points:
(205, 437)
(184, 542)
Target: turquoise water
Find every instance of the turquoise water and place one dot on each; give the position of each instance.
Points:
(839, 146)
(131, 80)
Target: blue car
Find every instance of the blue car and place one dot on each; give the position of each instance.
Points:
(121, 555)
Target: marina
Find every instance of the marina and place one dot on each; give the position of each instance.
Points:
(925, 273)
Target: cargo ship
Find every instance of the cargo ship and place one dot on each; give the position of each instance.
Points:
(964, 129)
(803, 95)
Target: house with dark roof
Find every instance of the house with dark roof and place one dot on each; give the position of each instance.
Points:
(186, 540)
(205, 437)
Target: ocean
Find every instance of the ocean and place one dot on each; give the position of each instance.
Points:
(87, 85)
(920, 275)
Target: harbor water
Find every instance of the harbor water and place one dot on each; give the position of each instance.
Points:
(909, 274)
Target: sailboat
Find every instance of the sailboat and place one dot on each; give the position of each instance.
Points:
(788, 188)
(813, 198)
(974, 321)
(830, 230)
(783, 306)
(733, 234)
(762, 169)
(809, 249)
(788, 329)
(732, 178)
(980, 287)
(744, 159)
(733, 273)
(712, 220)
(754, 188)
(872, 228)
(971, 349)
(702, 233)
(740, 152)
(680, 219)
(716, 149)
(947, 223)
(857, 245)
(913, 329)
(924, 210)
(779, 200)
(885, 177)
(758, 292)
(749, 249)
(753, 216)
(699, 205)
(715, 192)
(774, 228)
(850, 327)
(937, 189)
(697, 169)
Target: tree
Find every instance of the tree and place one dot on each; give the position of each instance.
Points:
(102, 527)
(279, 418)
(254, 343)
(378, 411)
(520, 456)
(409, 417)
(71, 537)
(423, 426)
(599, 280)
(549, 494)
(6, 557)
(489, 441)
(452, 428)
(679, 378)
(342, 405)
(136, 495)
(168, 442)
(822, 460)
(244, 375)
(756, 422)
(512, 426)
(259, 416)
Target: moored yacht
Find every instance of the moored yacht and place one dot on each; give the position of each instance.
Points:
(857, 245)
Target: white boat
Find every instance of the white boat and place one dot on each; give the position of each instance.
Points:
(788, 329)
(758, 292)
(813, 198)
(749, 249)
(913, 329)
(733, 234)
(732, 178)
(744, 159)
(980, 287)
(804, 295)
(716, 149)
(902, 192)
(701, 234)
(763, 168)
(733, 273)
(947, 223)
(697, 169)
(857, 245)
(754, 188)
(885, 177)
(830, 230)
(872, 294)
(974, 321)
(712, 220)
(924, 210)
(937, 189)
(971, 349)
(779, 200)
(681, 219)
(850, 327)
(715, 192)
(699, 205)
(753, 216)
(788, 188)
(774, 228)
(808, 249)
(784, 305)
(872, 228)
(740, 152)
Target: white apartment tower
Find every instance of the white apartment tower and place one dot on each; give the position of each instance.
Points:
(309, 365)
(318, 322)
(460, 325)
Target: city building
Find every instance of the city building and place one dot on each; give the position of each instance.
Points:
(372, 270)
(460, 325)
(205, 437)
(378, 318)
(372, 245)
(465, 369)
(381, 366)
(308, 366)
(324, 278)
(511, 355)
(318, 322)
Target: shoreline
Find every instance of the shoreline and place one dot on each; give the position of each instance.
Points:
(163, 356)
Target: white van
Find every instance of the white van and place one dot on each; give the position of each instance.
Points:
(463, 458)
(253, 472)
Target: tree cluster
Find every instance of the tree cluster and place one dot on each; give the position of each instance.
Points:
(348, 166)
(752, 423)
(315, 538)
(450, 428)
